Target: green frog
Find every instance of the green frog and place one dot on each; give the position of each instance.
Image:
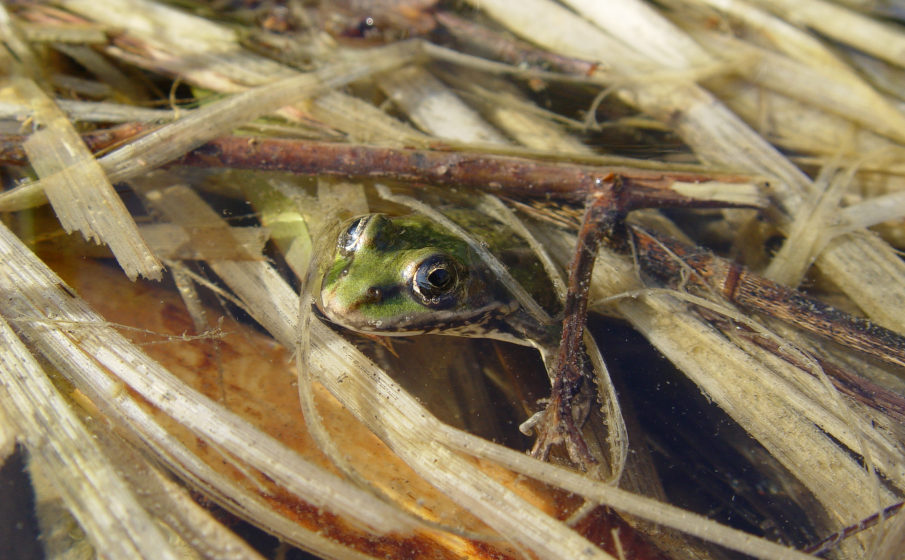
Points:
(412, 274)
(408, 275)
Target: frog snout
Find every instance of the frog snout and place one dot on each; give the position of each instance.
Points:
(330, 304)
(342, 306)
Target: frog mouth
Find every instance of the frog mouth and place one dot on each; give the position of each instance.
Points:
(453, 322)
(357, 321)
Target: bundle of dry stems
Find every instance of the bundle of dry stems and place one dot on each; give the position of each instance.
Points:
(211, 147)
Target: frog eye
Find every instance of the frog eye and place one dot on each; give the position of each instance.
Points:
(436, 279)
(348, 239)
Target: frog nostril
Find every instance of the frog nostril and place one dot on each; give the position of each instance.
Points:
(373, 294)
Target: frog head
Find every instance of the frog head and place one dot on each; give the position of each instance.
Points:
(408, 275)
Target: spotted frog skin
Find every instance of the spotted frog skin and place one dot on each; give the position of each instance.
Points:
(407, 275)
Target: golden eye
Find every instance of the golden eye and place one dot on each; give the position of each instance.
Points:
(435, 280)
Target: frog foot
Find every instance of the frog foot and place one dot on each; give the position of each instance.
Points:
(559, 423)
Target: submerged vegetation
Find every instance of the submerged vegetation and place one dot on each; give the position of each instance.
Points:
(177, 390)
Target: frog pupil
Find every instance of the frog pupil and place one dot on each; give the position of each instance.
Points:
(439, 278)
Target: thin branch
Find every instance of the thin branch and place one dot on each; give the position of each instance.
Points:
(500, 174)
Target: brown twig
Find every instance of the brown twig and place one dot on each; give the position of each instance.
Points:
(833, 540)
(519, 177)
(515, 176)
(11, 152)
(669, 260)
(500, 47)
(846, 381)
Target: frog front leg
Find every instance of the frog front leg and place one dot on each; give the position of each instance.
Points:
(561, 420)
